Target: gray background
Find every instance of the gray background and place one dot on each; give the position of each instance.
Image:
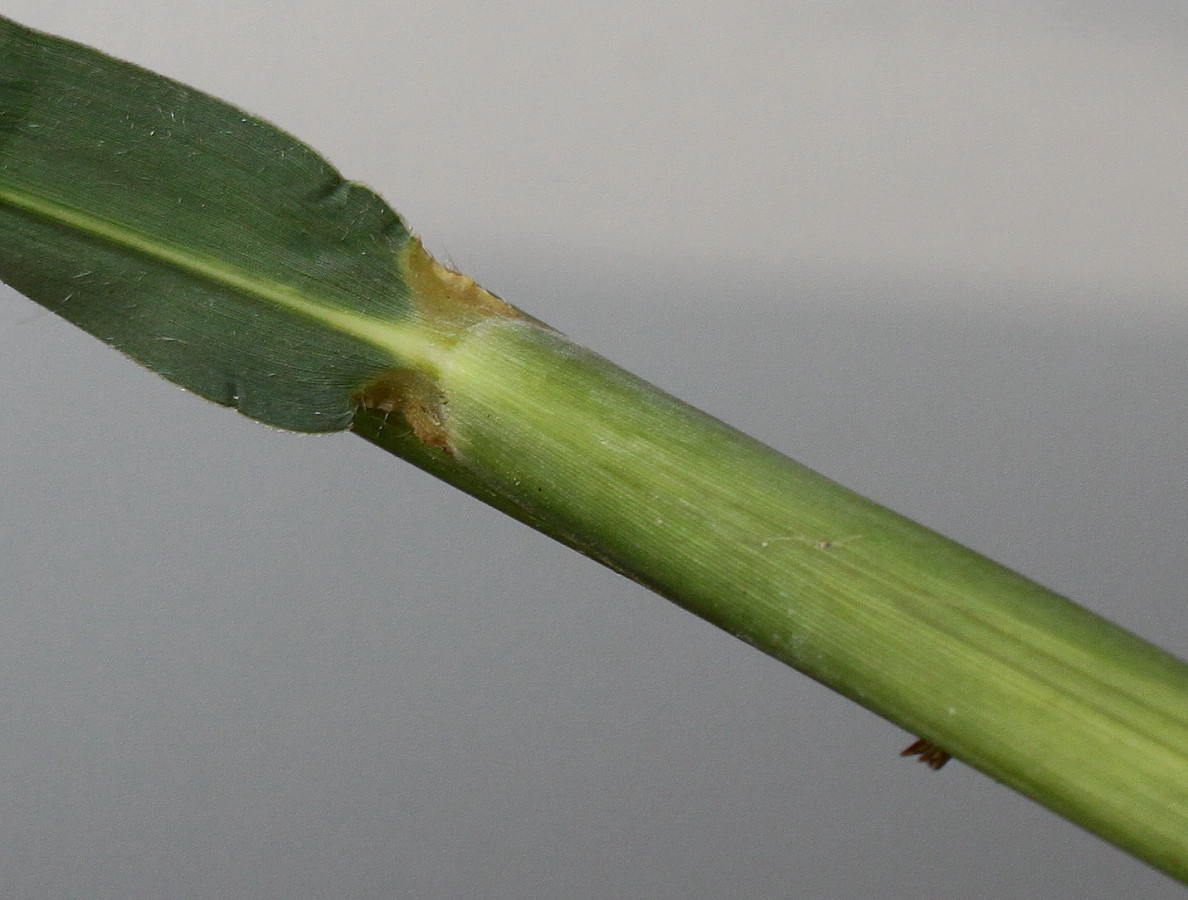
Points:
(934, 250)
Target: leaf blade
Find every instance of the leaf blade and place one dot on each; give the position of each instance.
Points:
(155, 217)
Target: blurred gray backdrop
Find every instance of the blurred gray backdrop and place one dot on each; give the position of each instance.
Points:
(934, 250)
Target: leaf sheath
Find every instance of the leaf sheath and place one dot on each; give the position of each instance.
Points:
(1004, 674)
(225, 255)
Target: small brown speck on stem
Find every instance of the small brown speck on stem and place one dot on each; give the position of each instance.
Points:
(929, 754)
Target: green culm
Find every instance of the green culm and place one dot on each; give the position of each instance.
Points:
(231, 259)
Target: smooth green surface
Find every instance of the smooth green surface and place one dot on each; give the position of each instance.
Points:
(1006, 675)
(231, 259)
(203, 242)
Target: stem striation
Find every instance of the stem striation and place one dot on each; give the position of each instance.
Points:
(1000, 672)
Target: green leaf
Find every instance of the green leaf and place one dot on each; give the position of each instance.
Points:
(230, 258)
(203, 242)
